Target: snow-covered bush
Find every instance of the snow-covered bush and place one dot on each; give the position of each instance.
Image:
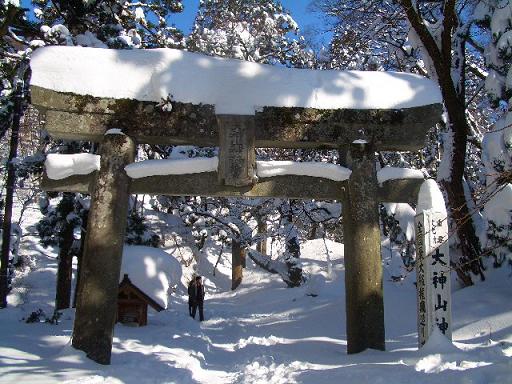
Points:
(497, 158)
(138, 233)
(497, 144)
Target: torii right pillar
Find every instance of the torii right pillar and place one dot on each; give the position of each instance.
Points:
(363, 264)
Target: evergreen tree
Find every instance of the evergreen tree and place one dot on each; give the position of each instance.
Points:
(13, 90)
(497, 144)
(58, 228)
(110, 23)
(105, 24)
(255, 30)
(138, 232)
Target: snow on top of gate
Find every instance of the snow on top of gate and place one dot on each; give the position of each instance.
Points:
(307, 168)
(233, 86)
(163, 167)
(394, 173)
(59, 166)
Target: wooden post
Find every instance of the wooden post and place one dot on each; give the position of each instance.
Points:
(97, 297)
(261, 246)
(236, 263)
(363, 265)
(433, 275)
(237, 157)
(243, 256)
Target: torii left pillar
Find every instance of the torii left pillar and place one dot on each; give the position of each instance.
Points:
(363, 263)
(96, 306)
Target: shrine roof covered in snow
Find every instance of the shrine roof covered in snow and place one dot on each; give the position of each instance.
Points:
(85, 90)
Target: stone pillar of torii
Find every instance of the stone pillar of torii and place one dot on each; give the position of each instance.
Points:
(356, 132)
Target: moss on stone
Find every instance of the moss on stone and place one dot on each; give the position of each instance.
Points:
(82, 101)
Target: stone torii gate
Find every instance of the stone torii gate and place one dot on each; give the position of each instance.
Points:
(356, 133)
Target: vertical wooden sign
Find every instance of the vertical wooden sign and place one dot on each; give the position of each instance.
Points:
(433, 275)
(237, 156)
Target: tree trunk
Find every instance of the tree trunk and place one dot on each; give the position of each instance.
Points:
(454, 186)
(10, 184)
(460, 215)
(313, 232)
(292, 253)
(65, 268)
(459, 211)
(454, 102)
(236, 263)
(273, 266)
(261, 247)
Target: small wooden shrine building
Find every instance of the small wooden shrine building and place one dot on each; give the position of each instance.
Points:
(132, 304)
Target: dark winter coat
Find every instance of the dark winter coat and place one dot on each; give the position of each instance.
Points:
(200, 294)
(191, 292)
(196, 293)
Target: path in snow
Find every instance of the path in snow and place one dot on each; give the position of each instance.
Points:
(265, 333)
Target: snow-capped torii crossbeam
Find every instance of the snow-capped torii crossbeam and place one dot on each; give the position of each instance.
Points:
(237, 106)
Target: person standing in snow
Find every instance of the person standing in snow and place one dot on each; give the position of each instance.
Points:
(198, 298)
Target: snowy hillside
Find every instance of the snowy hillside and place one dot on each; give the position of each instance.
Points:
(261, 333)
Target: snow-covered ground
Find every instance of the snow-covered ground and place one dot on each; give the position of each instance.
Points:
(261, 333)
